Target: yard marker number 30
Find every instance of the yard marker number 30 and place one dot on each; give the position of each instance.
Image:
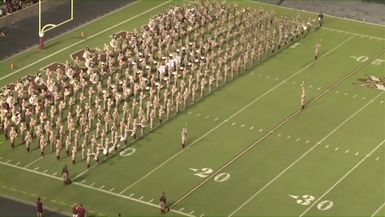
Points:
(306, 200)
(205, 172)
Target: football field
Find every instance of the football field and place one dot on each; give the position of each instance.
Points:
(251, 150)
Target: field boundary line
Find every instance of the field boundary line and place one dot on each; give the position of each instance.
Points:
(234, 114)
(85, 39)
(352, 33)
(76, 28)
(93, 188)
(378, 210)
(320, 141)
(311, 12)
(342, 178)
(273, 130)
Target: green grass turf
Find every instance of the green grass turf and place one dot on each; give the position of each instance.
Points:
(322, 151)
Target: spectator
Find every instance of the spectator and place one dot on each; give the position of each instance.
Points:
(39, 207)
(75, 210)
(11, 6)
(2, 34)
(81, 211)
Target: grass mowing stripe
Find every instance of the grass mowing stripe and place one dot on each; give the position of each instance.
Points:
(78, 27)
(342, 178)
(303, 155)
(94, 188)
(280, 125)
(233, 115)
(378, 210)
(83, 40)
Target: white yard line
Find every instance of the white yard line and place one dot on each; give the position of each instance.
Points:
(76, 28)
(83, 40)
(310, 12)
(95, 188)
(304, 154)
(342, 178)
(33, 162)
(233, 115)
(378, 210)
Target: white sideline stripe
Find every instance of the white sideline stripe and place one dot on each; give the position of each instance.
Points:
(83, 181)
(8, 161)
(342, 178)
(54, 173)
(233, 115)
(81, 41)
(94, 188)
(36, 168)
(78, 27)
(377, 210)
(310, 12)
(352, 33)
(302, 156)
(17, 163)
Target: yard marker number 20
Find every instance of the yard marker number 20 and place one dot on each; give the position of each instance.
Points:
(306, 200)
(205, 172)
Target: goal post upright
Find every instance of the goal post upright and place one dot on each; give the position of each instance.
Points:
(50, 26)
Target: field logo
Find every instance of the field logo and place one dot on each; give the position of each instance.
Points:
(373, 82)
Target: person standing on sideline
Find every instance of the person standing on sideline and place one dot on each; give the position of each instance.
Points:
(303, 96)
(317, 49)
(66, 175)
(39, 207)
(82, 211)
(75, 210)
(163, 203)
(184, 136)
(320, 19)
